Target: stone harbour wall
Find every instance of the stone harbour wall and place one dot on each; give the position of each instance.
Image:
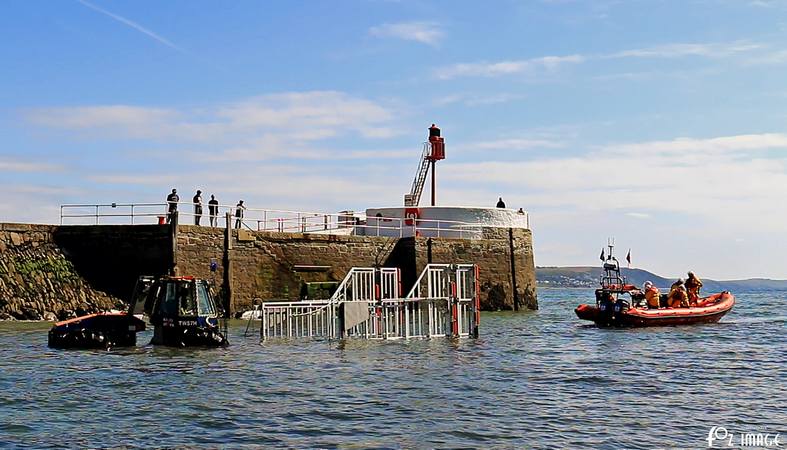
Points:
(502, 287)
(38, 281)
(49, 272)
(268, 265)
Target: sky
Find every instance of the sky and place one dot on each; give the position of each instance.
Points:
(662, 124)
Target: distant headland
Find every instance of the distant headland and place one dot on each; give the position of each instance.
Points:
(587, 276)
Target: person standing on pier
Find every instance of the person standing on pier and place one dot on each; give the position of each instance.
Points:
(197, 200)
(213, 209)
(172, 204)
(239, 209)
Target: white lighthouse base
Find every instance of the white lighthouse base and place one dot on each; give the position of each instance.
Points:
(460, 222)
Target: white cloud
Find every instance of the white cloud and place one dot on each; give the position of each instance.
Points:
(292, 116)
(34, 203)
(150, 179)
(14, 165)
(512, 67)
(767, 3)
(477, 99)
(286, 186)
(678, 50)
(305, 110)
(428, 33)
(514, 144)
(725, 181)
(83, 117)
(691, 146)
(554, 62)
(768, 58)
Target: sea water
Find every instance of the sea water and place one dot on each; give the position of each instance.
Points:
(539, 379)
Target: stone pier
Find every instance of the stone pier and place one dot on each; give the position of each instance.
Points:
(56, 271)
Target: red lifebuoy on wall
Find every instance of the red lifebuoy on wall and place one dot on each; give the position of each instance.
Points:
(411, 215)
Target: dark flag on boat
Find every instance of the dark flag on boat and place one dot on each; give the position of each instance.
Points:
(602, 255)
(628, 257)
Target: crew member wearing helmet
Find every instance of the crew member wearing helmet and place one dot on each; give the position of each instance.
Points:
(678, 298)
(693, 285)
(651, 294)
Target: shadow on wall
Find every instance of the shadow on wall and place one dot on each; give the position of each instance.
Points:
(402, 256)
(111, 258)
(495, 297)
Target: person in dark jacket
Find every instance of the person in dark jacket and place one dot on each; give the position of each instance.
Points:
(172, 204)
(500, 202)
(213, 210)
(239, 209)
(197, 200)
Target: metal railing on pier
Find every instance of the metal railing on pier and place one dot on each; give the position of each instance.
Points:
(444, 302)
(112, 213)
(270, 220)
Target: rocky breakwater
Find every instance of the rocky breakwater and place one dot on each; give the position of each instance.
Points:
(38, 281)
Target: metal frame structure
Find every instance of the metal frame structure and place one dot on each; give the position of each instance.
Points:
(444, 302)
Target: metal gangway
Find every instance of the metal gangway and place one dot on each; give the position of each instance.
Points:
(444, 302)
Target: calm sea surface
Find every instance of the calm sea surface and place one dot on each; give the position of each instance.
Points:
(533, 380)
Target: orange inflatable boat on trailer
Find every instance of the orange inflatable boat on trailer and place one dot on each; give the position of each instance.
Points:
(619, 304)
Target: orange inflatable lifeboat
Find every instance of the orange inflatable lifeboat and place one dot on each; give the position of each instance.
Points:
(620, 304)
(620, 313)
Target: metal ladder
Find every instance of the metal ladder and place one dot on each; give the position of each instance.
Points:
(414, 197)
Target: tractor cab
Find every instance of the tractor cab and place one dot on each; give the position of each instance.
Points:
(182, 311)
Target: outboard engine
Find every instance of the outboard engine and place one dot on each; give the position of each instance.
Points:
(621, 306)
(606, 305)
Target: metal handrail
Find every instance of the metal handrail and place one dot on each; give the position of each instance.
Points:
(279, 220)
(441, 312)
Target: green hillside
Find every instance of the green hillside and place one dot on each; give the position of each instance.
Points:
(583, 276)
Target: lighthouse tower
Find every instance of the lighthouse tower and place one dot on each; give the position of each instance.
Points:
(434, 150)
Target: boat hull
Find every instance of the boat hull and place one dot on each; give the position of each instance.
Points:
(101, 330)
(709, 310)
